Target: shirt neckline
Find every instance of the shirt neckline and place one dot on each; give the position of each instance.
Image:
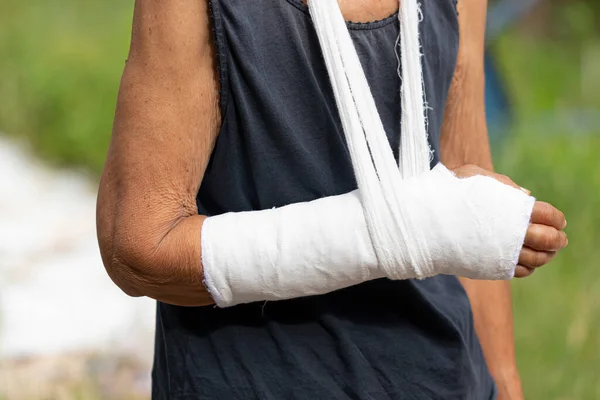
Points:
(298, 4)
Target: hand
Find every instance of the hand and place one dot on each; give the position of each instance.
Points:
(545, 235)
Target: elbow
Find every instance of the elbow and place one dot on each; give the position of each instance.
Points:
(127, 266)
(126, 277)
(145, 258)
(124, 255)
(136, 250)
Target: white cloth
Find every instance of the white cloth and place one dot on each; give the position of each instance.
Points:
(474, 227)
(400, 224)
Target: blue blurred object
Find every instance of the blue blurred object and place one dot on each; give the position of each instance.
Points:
(501, 15)
(504, 13)
(497, 106)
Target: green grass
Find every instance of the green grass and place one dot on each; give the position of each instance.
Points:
(557, 310)
(61, 62)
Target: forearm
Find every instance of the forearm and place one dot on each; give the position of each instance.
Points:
(492, 313)
(490, 300)
(465, 141)
(492, 306)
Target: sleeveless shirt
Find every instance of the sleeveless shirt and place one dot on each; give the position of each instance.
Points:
(281, 142)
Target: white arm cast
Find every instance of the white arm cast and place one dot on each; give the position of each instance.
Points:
(473, 227)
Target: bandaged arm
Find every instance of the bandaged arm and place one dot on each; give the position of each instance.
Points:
(473, 227)
(166, 123)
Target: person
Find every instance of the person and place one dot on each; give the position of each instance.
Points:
(225, 106)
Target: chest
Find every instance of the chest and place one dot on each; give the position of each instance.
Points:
(367, 10)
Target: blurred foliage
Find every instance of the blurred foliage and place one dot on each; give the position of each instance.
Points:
(61, 61)
(557, 311)
(552, 78)
(60, 64)
(557, 71)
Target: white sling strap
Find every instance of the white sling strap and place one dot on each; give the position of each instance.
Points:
(378, 176)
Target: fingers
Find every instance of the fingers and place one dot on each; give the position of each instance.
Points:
(545, 238)
(532, 259)
(545, 214)
(523, 272)
(542, 241)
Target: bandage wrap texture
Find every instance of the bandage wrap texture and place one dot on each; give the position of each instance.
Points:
(474, 227)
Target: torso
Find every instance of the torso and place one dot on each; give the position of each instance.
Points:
(281, 142)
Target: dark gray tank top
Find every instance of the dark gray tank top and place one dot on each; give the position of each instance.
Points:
(281, 142)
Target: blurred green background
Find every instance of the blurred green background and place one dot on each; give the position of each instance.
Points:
(60, 64)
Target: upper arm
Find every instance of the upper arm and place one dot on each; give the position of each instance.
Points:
(472, 22)
(464, 137)
(165, 126)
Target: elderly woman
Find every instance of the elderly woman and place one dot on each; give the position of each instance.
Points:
(229, 196)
